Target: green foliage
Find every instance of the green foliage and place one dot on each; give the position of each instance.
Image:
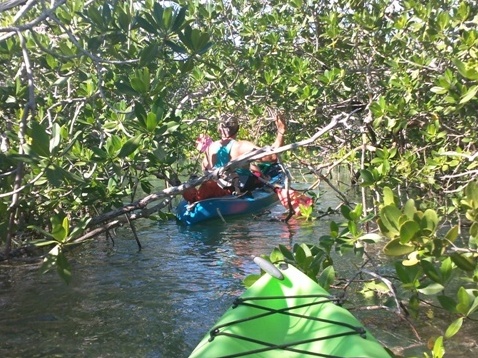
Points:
(114, 93)
(430, 260)
(106, 94)
(310, 259)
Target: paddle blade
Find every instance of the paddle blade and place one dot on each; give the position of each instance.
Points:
(296, 199)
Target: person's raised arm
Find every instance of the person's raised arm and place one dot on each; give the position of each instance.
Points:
(281, 125)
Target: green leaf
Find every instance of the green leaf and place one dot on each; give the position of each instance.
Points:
(453, 233)
(356, 213)
(464, 301)
(345, 210)
(367, 178)
(470, 94)
(95, 15)
(55, 137)
(54, 176)
(145, 25)
(149, 54)
(463, 261)
(139, 85)
(300, 255)
(431, 289)
(140, 113)
(370, 238)
(431, 272)
(276, 255)
(205, 48)
(175, 47)
(167, 20)
(249, 280)
(447, 303)
(57, 228)
(453, 328)
(466, 71)
(63, 267)
(334, 229)
(473, 307)
(408, 230)
(286, 252)
(395, 248)
(179, 20)
(412, 259)
(438, 348)
(327, 277)
(389, 216)
(306, 249)
(409, 209)
(40, 140)
(471, 192)
(124, 20)
(438, 90)
(125, 88)
(151, 122)
(50, 259)
(429, 221)
(130, 146)
(446, 269)
(388, 196)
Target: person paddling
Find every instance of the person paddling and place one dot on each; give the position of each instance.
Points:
(227, 148)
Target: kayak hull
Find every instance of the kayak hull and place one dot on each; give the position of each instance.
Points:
(214, 208)
(292, 317)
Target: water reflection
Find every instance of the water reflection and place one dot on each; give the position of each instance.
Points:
(158, 302)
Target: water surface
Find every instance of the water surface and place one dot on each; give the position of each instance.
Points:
(160, 301)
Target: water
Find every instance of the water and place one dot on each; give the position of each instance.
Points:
(160, 301)
(157, 302)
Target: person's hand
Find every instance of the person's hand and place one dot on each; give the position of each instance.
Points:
(281, 122)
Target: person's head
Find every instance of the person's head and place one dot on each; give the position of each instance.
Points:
(228, 127)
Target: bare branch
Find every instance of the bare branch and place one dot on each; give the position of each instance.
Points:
(10, 4)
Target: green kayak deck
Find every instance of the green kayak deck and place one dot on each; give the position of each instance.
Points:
(289, 317)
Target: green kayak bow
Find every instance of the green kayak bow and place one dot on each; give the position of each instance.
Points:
(287, 314)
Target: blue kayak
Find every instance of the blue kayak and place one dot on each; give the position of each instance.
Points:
(251, 202)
